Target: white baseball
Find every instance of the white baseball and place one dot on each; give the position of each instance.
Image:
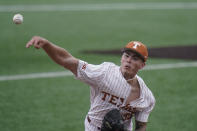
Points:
(18, 19)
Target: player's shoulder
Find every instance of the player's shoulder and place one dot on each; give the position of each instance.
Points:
(141, 82)
(146, 91)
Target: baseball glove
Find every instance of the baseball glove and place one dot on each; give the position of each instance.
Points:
(113, 121)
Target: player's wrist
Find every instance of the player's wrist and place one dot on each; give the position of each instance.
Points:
(46, 44)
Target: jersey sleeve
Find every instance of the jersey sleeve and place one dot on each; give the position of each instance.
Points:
(147, 104)
(143, 115)
(90, 74)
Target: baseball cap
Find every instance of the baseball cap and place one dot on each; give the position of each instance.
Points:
(137, 47)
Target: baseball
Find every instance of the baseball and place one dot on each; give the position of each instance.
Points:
(18, 19)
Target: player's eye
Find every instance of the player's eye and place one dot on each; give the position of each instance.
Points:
(126, 55)
(136, 58)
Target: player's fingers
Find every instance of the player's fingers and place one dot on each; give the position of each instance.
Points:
(33, 41)
(37, 43)
(30, 43)
(37, 47)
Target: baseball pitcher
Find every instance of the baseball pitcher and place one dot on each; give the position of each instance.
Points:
(117, 93)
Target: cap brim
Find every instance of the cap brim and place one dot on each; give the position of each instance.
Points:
(132, 50)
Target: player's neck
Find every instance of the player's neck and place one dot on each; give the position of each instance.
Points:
(129, 77)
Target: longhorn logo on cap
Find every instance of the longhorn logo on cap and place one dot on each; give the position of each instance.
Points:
(136, 44)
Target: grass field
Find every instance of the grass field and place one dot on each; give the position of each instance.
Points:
(61, 103)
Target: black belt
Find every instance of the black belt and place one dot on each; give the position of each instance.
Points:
(89, 120)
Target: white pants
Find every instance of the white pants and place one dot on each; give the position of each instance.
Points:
(90, 127)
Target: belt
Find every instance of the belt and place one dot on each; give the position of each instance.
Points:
(89, 120)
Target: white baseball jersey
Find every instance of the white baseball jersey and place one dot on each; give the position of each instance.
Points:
(109, 90)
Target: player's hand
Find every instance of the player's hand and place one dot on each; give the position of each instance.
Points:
(37, 41)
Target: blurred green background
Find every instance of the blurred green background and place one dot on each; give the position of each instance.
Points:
(61, 104)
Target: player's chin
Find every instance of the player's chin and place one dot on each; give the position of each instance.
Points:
(131, 71)
(126, 71)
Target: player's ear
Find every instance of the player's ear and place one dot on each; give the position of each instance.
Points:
(142, 65)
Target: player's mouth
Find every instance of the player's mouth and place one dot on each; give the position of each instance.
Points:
(127, 67)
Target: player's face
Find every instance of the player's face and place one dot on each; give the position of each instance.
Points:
(130, 64)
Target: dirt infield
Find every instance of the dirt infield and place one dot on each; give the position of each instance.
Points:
(174, 52)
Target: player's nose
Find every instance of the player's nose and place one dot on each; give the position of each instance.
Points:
(128, 59)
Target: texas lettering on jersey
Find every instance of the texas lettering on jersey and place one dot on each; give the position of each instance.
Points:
(127, 110)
